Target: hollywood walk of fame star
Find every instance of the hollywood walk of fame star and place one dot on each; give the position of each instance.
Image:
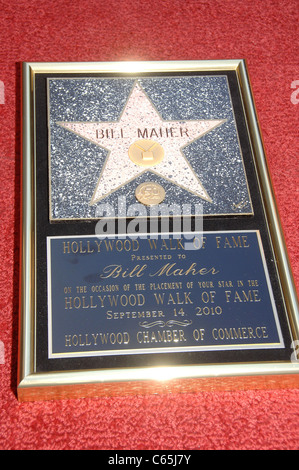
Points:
(140, 120)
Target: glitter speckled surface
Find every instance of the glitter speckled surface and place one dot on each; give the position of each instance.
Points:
(94, 121)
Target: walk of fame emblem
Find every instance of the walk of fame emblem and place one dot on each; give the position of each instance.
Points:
(150, 193)
(102, 147)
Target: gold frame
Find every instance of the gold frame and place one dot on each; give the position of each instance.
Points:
(68, 384)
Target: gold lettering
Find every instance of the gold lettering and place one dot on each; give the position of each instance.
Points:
(102, 299)
(66, 247)
(98, 243)
(164, 336)
(95, 338)
(79, 302)
(243, 296)
(152, 243)
(228, 334)
(169, 270)
(116, 270)
(166, 286)
(232, 242)
(174, 299)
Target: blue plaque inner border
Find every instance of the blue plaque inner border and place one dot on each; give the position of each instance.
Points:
(218, 297)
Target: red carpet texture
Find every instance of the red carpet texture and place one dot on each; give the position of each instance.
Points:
(266, 34)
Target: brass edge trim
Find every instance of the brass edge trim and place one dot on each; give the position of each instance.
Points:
(27, 233)
(132, 67)
(158, 374)
(272, 212)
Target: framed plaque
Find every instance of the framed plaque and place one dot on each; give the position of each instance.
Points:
(152, 255)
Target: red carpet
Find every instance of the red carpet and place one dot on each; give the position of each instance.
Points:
(266, 34)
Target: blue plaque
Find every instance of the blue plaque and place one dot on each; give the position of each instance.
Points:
(113, 295)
